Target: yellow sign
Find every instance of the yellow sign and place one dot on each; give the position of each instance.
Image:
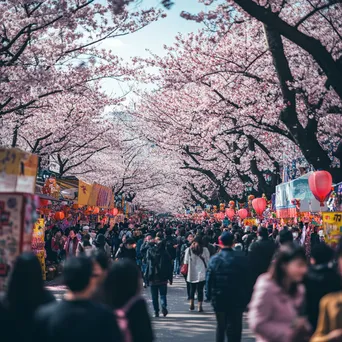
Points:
(332, 225)
(18, 171)
(250, 222)
(84, 191)
(38, 244)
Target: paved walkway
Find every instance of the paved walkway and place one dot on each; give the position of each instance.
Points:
(180, 325)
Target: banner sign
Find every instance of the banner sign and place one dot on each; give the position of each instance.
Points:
(332, 225)
(18, 171)
(297, 189)
(38, 244)
(84, 191)
(101, 196)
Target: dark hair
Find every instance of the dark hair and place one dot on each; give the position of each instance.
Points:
(237, 238)
(322, 253)
(286, 254)
(122, 283)
(205, 241)
(168, 231)
(254, 229)
(77, 273)
(263, 232)
(25, 286)
(100, 257)
(197, 246)
(285, 236)
(86, 240)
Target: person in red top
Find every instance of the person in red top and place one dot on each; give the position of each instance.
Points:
(71, 244)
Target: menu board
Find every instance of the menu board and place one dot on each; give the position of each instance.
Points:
(16, 214)
(332, 226)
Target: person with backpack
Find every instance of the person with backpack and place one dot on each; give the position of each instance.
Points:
(127, 250)
(101, 244)
(84, 246)
(159, 273)
(196, 258)
(122, 293)
(227, 289)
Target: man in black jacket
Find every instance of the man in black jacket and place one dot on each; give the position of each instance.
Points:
(321, 279)
(77, 318)
(158, 273)
(260, 254)
(227, 288)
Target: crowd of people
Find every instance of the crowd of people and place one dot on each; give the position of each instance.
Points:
(288, 282)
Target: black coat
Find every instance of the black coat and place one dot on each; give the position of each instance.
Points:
(260, 256)
(227, 281)
(159, 266)
(319, 281)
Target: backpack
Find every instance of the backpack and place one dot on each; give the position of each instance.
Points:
(122, 320)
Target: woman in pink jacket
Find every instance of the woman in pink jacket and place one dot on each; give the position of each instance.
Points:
(278, 299)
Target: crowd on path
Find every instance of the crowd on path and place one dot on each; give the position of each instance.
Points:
(289, 282)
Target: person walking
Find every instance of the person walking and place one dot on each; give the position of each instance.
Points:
(329, 326)
(101, 244)
(84, 246)
(260, 254)
(24, 296)
(122, 292)
(227, 288)
(127, 250)
(197, 258)
(276, 309)
(77, 318)
(159, 272)
(70, 246)
(189, 240)
(321, 280)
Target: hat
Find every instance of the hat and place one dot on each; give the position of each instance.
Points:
(226, 239)
(85, 228)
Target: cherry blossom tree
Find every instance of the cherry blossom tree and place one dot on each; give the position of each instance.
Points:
(222, 104)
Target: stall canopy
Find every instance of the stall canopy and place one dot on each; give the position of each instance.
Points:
(297, 189)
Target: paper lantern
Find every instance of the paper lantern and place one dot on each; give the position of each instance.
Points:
(43, 202)
(259, 205)
(230, 213)
(242, 213)
(59, 215)
(96, 210)
(320, 183)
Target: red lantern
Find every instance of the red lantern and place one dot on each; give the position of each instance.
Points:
(230, 213)
(59, 216)
(259, 205)
(96, 211)
(43, 202)
(320, 185)
(242, 213)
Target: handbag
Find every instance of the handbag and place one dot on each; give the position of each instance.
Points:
(184, 270)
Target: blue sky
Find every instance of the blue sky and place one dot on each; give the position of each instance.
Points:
(153, 37)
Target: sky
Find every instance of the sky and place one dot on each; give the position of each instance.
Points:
(154, 36)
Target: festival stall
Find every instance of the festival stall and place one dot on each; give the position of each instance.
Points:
(17, 206)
